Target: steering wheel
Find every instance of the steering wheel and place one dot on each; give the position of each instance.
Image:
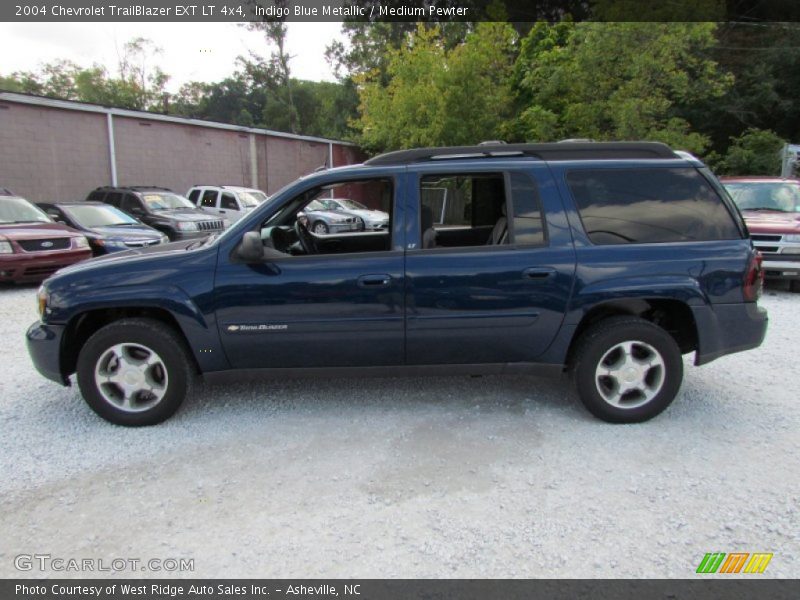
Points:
(305, 238)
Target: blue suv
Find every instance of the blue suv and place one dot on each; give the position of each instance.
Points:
(608, 261)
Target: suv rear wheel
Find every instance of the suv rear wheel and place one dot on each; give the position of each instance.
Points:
(134, 372)
(627, 370)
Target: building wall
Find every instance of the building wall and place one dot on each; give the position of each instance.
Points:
(179, 156)
(54, 154)
(48, 154)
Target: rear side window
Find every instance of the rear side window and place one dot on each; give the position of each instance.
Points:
(194, 195)
(209, 199)
(96, 196)
(640, 206)
(114, 198)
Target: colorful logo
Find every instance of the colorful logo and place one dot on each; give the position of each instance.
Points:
(736, 562)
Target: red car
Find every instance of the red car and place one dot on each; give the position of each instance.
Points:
(32, 246)
(771, 208)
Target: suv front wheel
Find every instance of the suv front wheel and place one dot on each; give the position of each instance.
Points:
(627, 370)
(134, 372)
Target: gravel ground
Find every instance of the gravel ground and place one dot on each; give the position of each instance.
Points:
(442, 477)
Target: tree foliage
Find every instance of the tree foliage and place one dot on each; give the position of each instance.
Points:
(616, 81)
(754, 152)
(439, 96)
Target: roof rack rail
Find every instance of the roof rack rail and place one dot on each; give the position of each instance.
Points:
(550, 151)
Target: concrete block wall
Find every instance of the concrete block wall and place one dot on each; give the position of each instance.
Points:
(56, 151)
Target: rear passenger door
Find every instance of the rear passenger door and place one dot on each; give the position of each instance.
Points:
(489, 264)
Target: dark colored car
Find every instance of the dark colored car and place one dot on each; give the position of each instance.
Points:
(161, 209)
(32, 246)
(107, 228)
(606, 260)
(771, 209)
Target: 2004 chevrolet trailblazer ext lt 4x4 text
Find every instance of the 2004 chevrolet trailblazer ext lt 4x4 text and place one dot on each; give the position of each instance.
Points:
(607, 260)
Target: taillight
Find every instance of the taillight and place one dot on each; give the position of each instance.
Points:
(753, 279)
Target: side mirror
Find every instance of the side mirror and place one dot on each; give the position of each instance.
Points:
(251, 249)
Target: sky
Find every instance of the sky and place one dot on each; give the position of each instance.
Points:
(191, 51)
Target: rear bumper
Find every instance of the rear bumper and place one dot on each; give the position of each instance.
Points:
(36, 266)
(44, 347)
(727, 328)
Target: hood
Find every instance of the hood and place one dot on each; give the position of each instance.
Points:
(768, 221)
(135, 256)
(132, 232)
(36, 231)
(186, 214)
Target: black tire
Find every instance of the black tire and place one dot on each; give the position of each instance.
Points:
(794, 286)
(600, 341)
(322, 226)
(175, 370)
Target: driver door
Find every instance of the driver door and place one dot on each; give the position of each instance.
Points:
(344, 309)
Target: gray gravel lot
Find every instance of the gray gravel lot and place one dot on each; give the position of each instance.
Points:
(442, 477)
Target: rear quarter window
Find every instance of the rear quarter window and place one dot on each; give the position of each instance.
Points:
(640, 206)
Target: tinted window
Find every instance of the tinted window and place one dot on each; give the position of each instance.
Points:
(132, 204)
(194, 195)
(96, 196)
(114, 198)
(228, 201)
(629, 206)
(528, 223)
(209, 199)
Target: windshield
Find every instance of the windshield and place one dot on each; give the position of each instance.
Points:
(18, 210)
(348, 204)
(252, 199)
(98, 216)
(165, 201)
(767, 195)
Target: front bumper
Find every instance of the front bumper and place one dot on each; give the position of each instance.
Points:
(37, 266)
(44, 347)
(727, 328)
(781, 269)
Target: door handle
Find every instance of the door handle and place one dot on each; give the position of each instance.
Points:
(222, 212)
(538, 273)
(370, 281)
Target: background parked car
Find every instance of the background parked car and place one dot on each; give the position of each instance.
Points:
(32, 246)
(374, 220)
(230, 202)
(771, 208)
(322, 221)
(107, 228)
(162, 209)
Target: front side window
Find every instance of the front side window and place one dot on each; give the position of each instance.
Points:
(228, 202)
(638, 206)
(308, 224)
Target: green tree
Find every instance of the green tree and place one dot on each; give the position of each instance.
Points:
(754, 152)
(435, 96)
(621, 81)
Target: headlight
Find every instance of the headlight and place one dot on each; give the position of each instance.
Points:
(225, 223)
(41, 298)
(81, 242)
(5, 247)
(792, 237)
(187, 225)
(164, 240)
